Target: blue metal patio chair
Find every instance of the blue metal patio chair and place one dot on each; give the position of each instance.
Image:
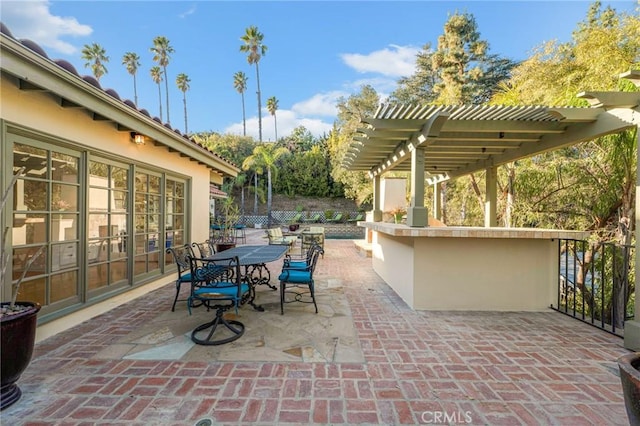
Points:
(218, 285)
(300, 281)
(181, 258)
(205, 249)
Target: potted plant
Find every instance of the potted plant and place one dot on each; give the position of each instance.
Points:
(18, 320)
(398, 213)
(226, 220)
(629, 366)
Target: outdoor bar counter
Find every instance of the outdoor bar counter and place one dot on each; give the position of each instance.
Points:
(469, 268)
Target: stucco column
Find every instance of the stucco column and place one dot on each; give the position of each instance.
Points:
(491, 198)
(632, 328)
(417, 212)
(376, 212)
(437, 201)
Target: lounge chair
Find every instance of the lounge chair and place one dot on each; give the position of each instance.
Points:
(337, 218)
(297, 218)
(276, 237)
(313, 219)
(358, 218)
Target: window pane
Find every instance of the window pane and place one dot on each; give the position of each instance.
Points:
(179, 189)
(21, 258)
(65, 197)
(33, 159)
(98, 173)
(64, 256)
(119, 177)
(119, 201)
(154, 184)
(119, 270)
(30, 195)
(141, 182)
(141, 223)
(34, 291)
(64, 227)
(29, 229)
(64, 167)
(141, 203)
(64, 286)
(98, 199)
(170, 188)
(96, 222)
(98, 276)
(154, 204)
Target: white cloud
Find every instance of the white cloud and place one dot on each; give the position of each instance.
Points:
(32, 20)
(396, 61)
(191, 11)
(323, 104)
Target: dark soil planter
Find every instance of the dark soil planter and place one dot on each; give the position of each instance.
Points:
(18, 339)
(629, 366)
(294, 227)
(224, 246)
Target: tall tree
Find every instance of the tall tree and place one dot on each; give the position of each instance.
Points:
(132, 61)
(265, 157)
(351, 110)
(240, 84)
(589, 186)
(182, 81)
(272, 107)
(156, 76)
(161, 54)
(255, 50)
(96, 58)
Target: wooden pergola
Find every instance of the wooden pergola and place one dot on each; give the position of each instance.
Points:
(438, 143)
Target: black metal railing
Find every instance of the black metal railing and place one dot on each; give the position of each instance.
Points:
(596, 283)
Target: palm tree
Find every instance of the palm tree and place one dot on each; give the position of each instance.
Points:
(240, 84)
(156, 75)
(96, 57)
(272, 106)
(265, 156)
(132, 62)
(161, 51)
(182, 80)
(252, 39)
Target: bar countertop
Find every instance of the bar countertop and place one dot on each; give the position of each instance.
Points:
(401, 230)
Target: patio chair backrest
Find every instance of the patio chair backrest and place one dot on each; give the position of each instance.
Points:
(205, 249)
(181, 257)
(274, 234)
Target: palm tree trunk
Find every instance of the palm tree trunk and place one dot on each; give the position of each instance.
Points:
(259, 105)
(244, 118)
(166, 87)
(269, 196)
(160, 99)
(135, 91)
(184, 100)
(275, 122)
(255, 194)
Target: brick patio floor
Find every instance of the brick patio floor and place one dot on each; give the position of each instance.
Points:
(484, 368)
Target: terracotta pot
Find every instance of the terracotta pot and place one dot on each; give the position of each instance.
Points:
(629, 366)
(18, 339)
(224, 246)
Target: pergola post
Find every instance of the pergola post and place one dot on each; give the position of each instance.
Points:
(632, 328)
(437, 201)
(491, 198)
(376, 213)
(417, 212)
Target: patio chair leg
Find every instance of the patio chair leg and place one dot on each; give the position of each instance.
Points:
(173, 308)
(313, 296)
(236, 327)
(282, 287)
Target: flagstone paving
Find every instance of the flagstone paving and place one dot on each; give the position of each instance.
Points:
(401, 367)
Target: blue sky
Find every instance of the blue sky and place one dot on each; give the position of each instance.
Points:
(317, 52)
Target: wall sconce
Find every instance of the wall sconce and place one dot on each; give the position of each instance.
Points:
(137, 138)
